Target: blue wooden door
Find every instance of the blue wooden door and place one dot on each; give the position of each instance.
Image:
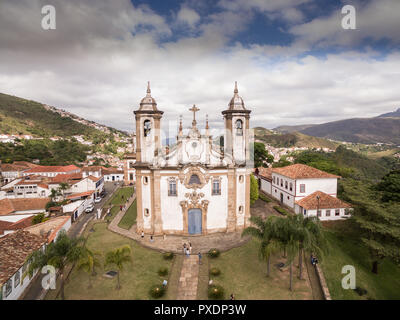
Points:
(194, 223)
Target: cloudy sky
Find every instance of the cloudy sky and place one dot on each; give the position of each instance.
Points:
(293, 61)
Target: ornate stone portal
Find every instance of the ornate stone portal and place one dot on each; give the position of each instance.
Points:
(194, 202)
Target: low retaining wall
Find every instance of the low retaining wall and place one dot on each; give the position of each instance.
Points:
(322, 282)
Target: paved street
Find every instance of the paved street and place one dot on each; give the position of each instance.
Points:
(35, 291)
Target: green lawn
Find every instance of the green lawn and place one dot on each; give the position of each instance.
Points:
(129, 218)
(243, 274)
(136, 279)
(347, 250)
(117, 199)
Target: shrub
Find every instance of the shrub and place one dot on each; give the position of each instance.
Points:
(264, 198)
(157, 291)
(216, 292)
(215, 271)
(168, 255)
(360, 291)
(213, 253)
(280, 210)
(163, 271)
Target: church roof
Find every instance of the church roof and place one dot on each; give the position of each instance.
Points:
(148, 103)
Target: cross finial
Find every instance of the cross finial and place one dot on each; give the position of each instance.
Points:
(236, 89)
(148, 87)
(194, 109)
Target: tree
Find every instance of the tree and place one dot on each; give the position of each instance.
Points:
(263, 230)
(390, 186)
(57, 254)
(87, 262)
(261, 155)
(39, 218)
(63, 186)
(379, 224)
(308, 233)
(253, 189)
(119, 257)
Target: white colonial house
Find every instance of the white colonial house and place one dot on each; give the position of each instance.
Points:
(15, 248)
(305, 190)
(52, 171)
(194, 187)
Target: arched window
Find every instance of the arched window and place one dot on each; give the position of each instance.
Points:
(239, 127)
(146, 127)
(216, 187)
(240, 209)
(172, 187)
(145, 180)
(286, 184)
(146, 212)
(194, 179)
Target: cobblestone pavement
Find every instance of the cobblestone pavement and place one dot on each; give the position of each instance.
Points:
(189, 278)
(173, 243)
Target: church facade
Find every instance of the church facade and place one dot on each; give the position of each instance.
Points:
(194, 187)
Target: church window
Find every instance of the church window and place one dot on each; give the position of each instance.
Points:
(194, 179)
(239, 127)
(172, 187)
(216, 188)
(240, 209)
(146, 127)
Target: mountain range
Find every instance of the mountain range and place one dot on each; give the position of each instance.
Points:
(384, 128)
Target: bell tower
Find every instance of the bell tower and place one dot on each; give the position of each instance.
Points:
(148, 129)
(236, 137)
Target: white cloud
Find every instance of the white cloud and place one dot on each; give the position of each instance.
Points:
(100, 71)
(188, 16)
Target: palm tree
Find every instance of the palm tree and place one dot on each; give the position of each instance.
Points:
(87, 262)
(53, 195)
(308, 232)
(263, 230)
(58, 254)
(63, 186)
(119, 257)
(285, 236)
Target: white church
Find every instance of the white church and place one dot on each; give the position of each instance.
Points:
(195, 187)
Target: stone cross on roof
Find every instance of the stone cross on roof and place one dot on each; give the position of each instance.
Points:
(194, 109)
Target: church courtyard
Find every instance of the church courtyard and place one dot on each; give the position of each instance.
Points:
(242, 273)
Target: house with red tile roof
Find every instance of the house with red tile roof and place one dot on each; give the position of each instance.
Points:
(52, 171)
(298, 184)
(15, 249)
(11, 171)
(51, 228)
